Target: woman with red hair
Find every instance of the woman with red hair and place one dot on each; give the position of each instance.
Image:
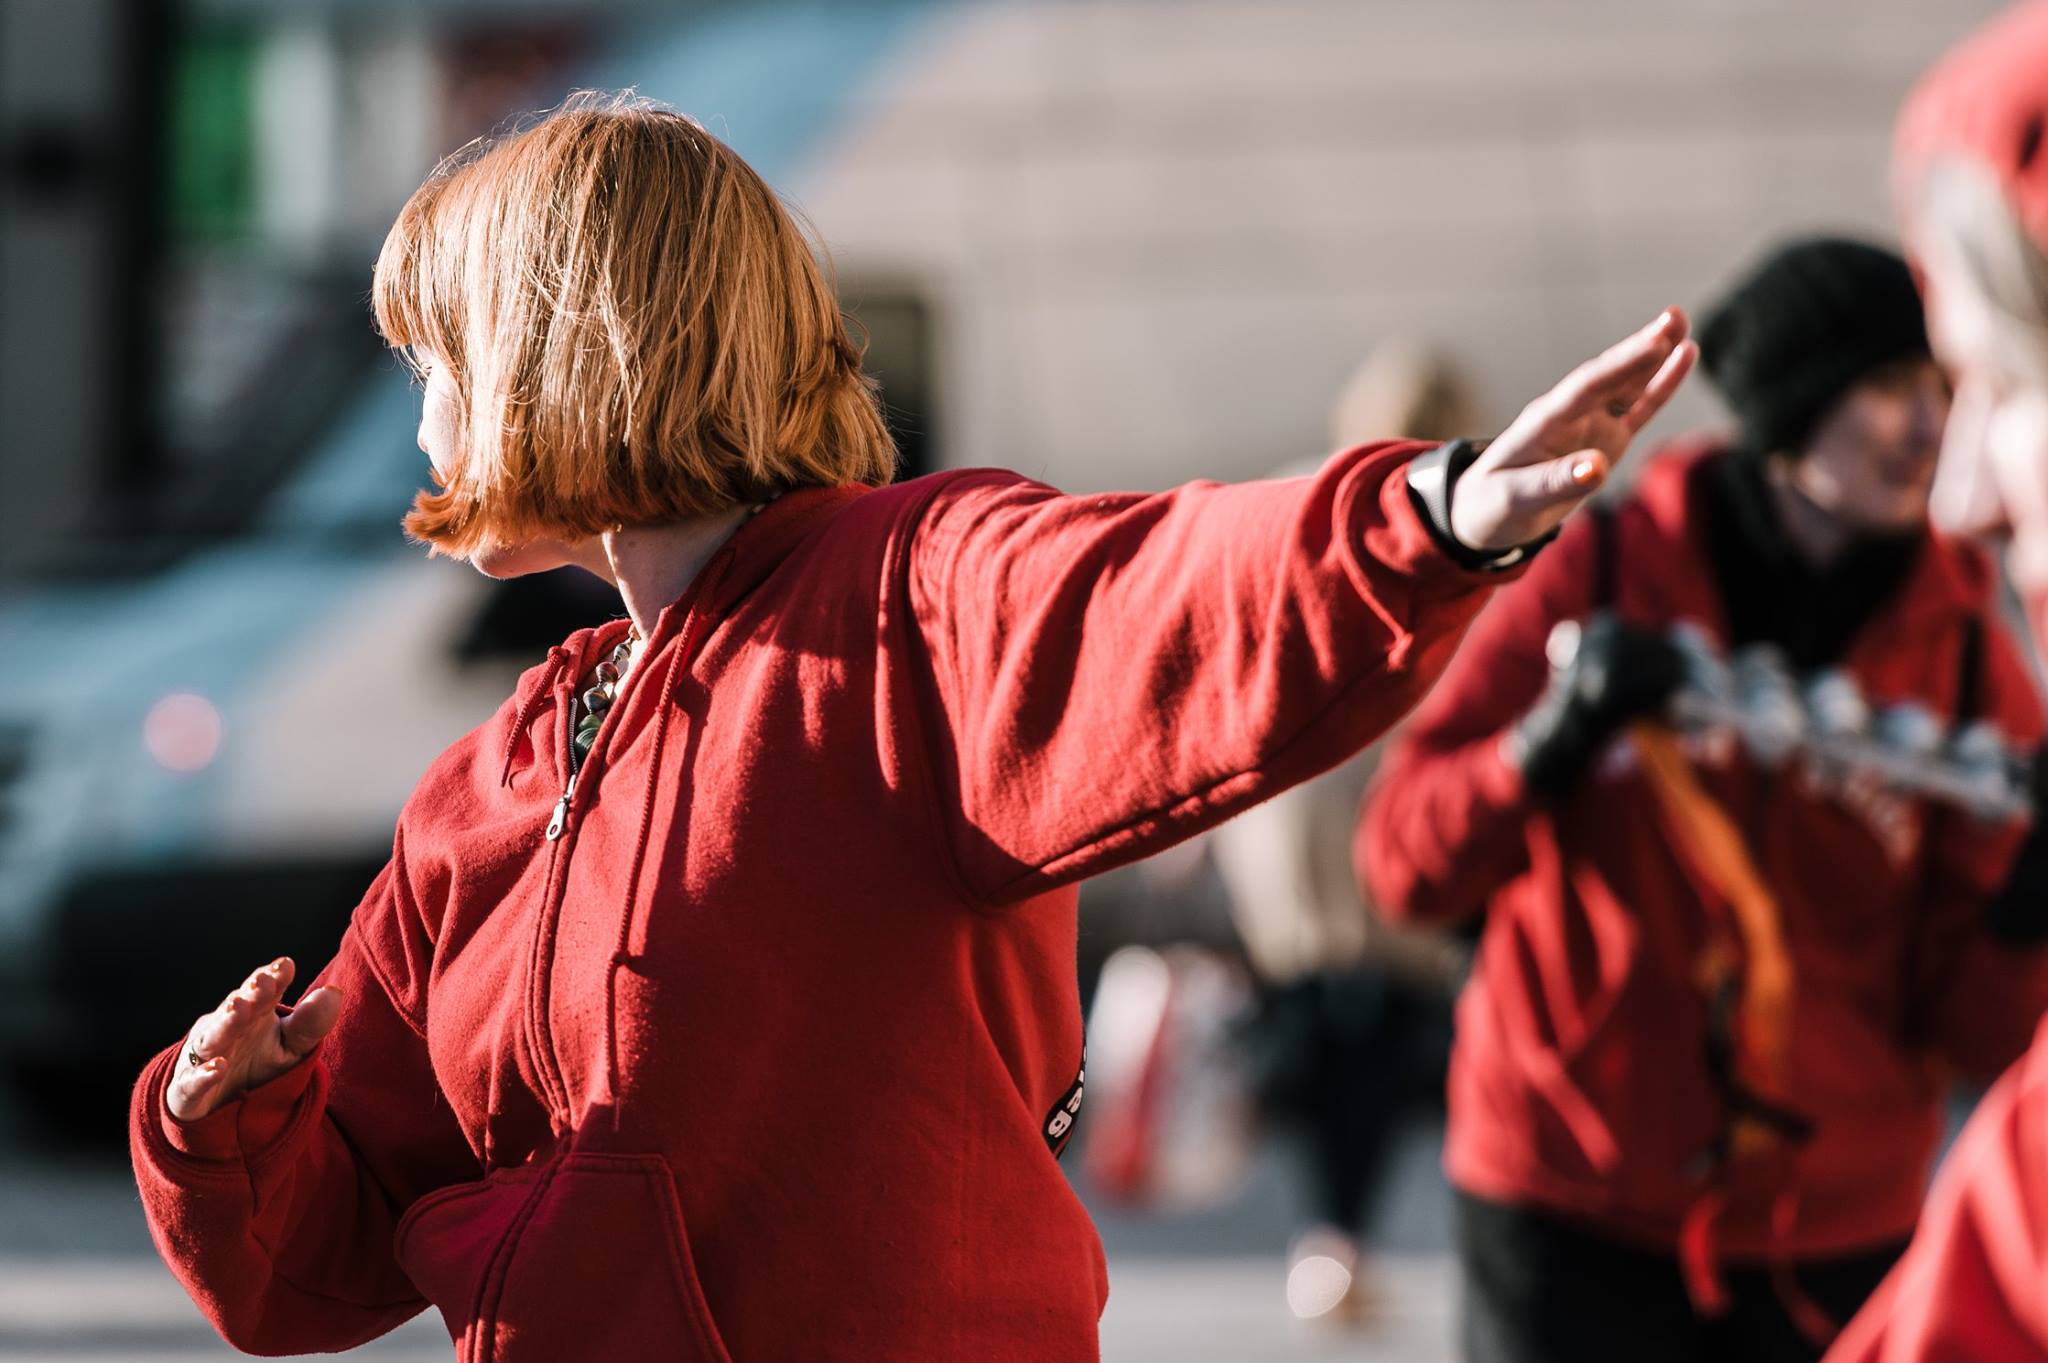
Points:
(719, 997)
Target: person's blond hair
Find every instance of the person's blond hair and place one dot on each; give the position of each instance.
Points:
(637, 329)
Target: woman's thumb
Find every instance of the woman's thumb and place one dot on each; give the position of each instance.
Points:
(1562, 482)
(311, 1019)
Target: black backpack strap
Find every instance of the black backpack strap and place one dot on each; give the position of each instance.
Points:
(1970, 672)
(1605, 550)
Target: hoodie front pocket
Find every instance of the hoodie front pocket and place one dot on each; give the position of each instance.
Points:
(584, 1257)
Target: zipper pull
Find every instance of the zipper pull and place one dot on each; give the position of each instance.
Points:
(560, 818)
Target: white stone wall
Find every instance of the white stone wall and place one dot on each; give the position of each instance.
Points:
(1161, 234)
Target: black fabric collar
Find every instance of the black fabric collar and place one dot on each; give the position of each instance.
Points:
(1769, 593)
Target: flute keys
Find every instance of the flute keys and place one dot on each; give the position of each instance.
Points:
(1773, 717)
(1911, 731)
(1994, 775)
(1835, 706)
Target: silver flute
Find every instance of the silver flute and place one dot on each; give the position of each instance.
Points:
(1825, 717)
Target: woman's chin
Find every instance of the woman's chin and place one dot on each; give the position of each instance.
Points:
(503, 561)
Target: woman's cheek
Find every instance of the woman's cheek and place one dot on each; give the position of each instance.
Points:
(2017, 439)
(437, 424)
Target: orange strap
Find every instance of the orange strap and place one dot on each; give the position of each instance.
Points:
(1717, 851)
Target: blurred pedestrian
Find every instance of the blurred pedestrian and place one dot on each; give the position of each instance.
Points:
(1630, 1184)
(1352, 1025)
(1969, 174)
(719, 998)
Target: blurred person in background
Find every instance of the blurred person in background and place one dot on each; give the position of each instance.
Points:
(1972, 187)
(1628, 1185)
(718, 999)
(1352, 1025)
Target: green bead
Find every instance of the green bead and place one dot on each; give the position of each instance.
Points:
(597, 700)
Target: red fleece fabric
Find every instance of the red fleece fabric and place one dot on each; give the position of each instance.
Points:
(1973, 1287)
(1578, 1082)
(756, 1060)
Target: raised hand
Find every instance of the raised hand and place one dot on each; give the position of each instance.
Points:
(245, 1042)
(1563, 445)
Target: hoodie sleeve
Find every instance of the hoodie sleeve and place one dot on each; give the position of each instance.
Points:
(1443, 825)
(278, 1212)
(1974, 997)
(1107, 675)
(1971, 1283)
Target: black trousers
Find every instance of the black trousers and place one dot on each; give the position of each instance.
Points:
(1539, 1289)
(1343, 1058)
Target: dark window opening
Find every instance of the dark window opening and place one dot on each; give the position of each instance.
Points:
(898, 326)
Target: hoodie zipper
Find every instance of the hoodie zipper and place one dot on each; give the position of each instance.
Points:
(559, 820)
(540, 955)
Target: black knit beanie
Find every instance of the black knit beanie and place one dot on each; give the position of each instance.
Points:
(1798, 331)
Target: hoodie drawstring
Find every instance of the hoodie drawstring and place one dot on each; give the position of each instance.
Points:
(557, 655)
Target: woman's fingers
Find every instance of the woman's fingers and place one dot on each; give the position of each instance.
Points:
(245, 1042)
(1564, 444)
(241, 1013)
(196, 1090)
(1619, 374)
(1662, 385)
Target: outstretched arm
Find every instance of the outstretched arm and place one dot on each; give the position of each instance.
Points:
(1110, 674)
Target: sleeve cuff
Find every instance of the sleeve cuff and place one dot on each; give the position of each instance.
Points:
(1392, 528)
(1432, 479)
(240, 1130)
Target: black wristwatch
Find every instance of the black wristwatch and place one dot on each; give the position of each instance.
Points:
(1432, 478)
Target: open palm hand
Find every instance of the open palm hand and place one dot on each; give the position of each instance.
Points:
(247, 1041)
(1561, 448)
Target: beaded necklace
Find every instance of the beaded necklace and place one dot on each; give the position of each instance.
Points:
(603, 690)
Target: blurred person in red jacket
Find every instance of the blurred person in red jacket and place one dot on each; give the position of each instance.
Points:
(719, 998)
(1607, 1208)
(1972, 187)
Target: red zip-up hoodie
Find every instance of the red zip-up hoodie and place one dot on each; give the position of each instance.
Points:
(1579, 1083)
(768, 1055)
